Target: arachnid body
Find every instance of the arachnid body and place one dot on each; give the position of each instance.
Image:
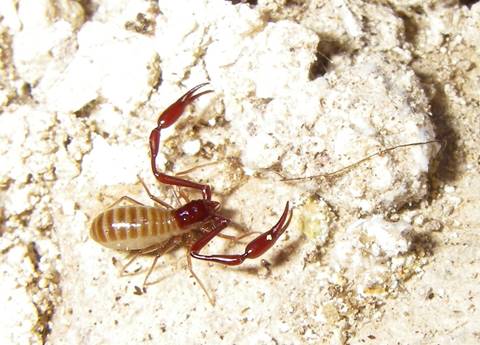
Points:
(148, 229)
(140, 229)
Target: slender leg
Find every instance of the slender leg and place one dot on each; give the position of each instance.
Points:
(125, 198)
(253, 250)
(166, 119)
(190, 268)
(163, 249)
(153, 197)
(177, 181)
(353, 165)
(136, 254)
(183, 195)
(175, 194)
(189, 170)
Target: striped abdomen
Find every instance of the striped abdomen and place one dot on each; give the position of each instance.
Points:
(133, 227)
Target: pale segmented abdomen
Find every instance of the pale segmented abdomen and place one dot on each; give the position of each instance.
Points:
(133, 227)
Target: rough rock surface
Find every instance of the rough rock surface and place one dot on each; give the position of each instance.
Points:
(301, 89)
